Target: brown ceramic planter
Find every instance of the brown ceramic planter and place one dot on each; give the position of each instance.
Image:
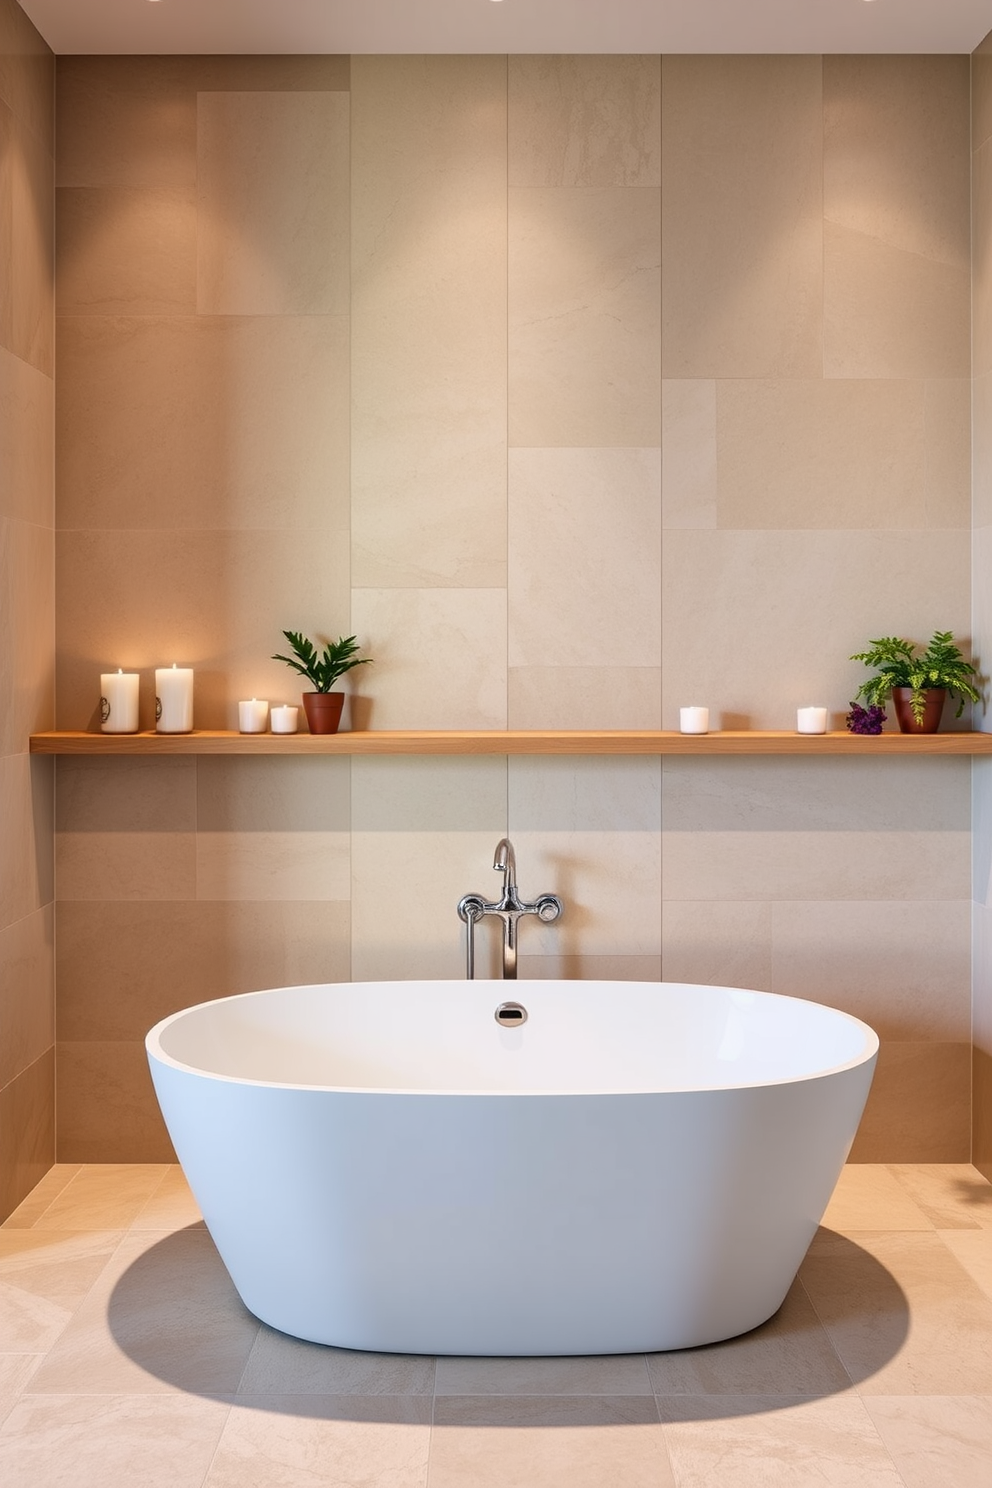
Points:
(933, 699)
(323, 710)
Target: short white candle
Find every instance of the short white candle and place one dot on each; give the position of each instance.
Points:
(174, 699)
(284, 720)
(694, 720)
(119, 702)
(811, 720)
(253, 716)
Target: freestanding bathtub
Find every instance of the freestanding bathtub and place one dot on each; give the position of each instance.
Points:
(639, 1166)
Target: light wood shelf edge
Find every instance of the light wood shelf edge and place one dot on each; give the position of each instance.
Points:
(499, 742)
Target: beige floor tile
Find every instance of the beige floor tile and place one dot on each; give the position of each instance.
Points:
(289, 1366)
(521, 1442)
(171, 1206)
(44, 1276)
(943, 1442)
(972, 1249)
(902, 1315)
(91, 1443)
(294, 1442)
(775, 1442)
(790, 1353)
(41, 1196)
(102, 1196)
(15, 1371)
(953, 1196)
(618, 1374)
(164, 1316)
(868, 1197)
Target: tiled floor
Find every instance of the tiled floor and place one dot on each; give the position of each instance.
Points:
(126, 1359)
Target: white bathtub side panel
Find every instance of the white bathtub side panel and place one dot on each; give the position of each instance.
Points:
(512, 1225)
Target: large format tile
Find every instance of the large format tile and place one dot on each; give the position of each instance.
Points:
(868, 1196)
(27, 1130)
(936, 1442)
(584, 121)
(272, 203)
(44, 1276)
(581, 697)
(30, 304)
(27, 623)
(981, 260)
(123, 251)
(720, 944)
(584, 557)
(279, 1365)
(972, 1249)
(107, 1111)
(102, 1196)
(41, 1195)
(429, 321)
(953, 1196)
(27, 992)
(27, 72)
(584, 316)
(419, 793)
(15, 1371)
(27, 415)
(689, 452)
(919, 1109)
(619, 1374)
(742, 279)
(171, 1206)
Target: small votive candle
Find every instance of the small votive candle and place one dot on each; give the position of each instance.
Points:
(284, 720)
(694, 720)
(174, 699)
(253, 716)
(811, 720)
(119, 702)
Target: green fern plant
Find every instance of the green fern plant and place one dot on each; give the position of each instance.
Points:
(322, 669)
(940, 665)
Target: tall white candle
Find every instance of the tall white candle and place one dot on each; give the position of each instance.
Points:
(694, 720)
(253, 716)
(811, 720)
(174, 699)
(284, 720)
(119, 702)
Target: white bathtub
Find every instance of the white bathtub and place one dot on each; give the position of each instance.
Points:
(641, 1166)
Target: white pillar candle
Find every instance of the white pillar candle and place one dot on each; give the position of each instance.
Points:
(174, 699)
(811, 720)
(253, 716)
(694, 720)
(119, 702)
(284, 720)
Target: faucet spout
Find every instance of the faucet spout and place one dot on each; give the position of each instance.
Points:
(505, 862)
(508, 909)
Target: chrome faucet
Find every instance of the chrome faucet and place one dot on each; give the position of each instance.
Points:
(509, 908)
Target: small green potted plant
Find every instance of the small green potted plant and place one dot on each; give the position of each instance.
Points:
(920, 683)
(322, 706)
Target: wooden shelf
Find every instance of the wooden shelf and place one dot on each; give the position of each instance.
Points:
(537, 741)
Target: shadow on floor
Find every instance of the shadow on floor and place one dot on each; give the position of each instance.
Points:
(175, 1313)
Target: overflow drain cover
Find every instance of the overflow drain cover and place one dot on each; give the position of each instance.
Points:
(511, 1015)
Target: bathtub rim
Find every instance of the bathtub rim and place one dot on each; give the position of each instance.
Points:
(154, 1050)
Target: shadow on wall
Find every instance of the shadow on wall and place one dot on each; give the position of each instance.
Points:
(175, 1313)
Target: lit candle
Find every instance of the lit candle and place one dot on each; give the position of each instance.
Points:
(811, 720)
(694, 720)
(119, 702)
(174, 699)
(284, 720)
(253, 716)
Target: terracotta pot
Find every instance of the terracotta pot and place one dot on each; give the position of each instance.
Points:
(933, 699)
(323, 710)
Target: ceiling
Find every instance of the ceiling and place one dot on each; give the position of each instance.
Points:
(273, 26)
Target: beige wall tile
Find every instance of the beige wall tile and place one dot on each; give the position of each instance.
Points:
(26, 810)
(981, 609)
(947, 414)
(273, 865)
(584, 557)
(466, 793)
(567, 967)
(689, 452)
(216, 601)
(902, 966)
(981, 93)
(27, 416)
(27, 603)
(827, 454)
(796, 589)
(981, 248)
(609, 883)
(982, 449)
(440, 657)
(124, 251)
(936, 1439)
(131, 121)
(27, 72)
(162, 957)
(981, 1124)
(583, 793)
(269, 794)
(8, 126)
(867, 284)
(580, 697)
(919, 1106)
(429, 321)
(719, 944)
(32, 223)
(742, 242)
(125, 865)
(584, 308)
(584, 121)
(27, 1145)
(27, 992)
(895, 151)
(262, 404)
(272, 203)
(107, 1111)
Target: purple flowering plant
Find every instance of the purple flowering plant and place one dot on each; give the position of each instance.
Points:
(865, 720)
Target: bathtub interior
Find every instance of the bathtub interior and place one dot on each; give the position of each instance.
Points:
(579, 1038)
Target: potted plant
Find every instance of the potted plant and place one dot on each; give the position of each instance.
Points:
(918, 684)
(322, 706)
